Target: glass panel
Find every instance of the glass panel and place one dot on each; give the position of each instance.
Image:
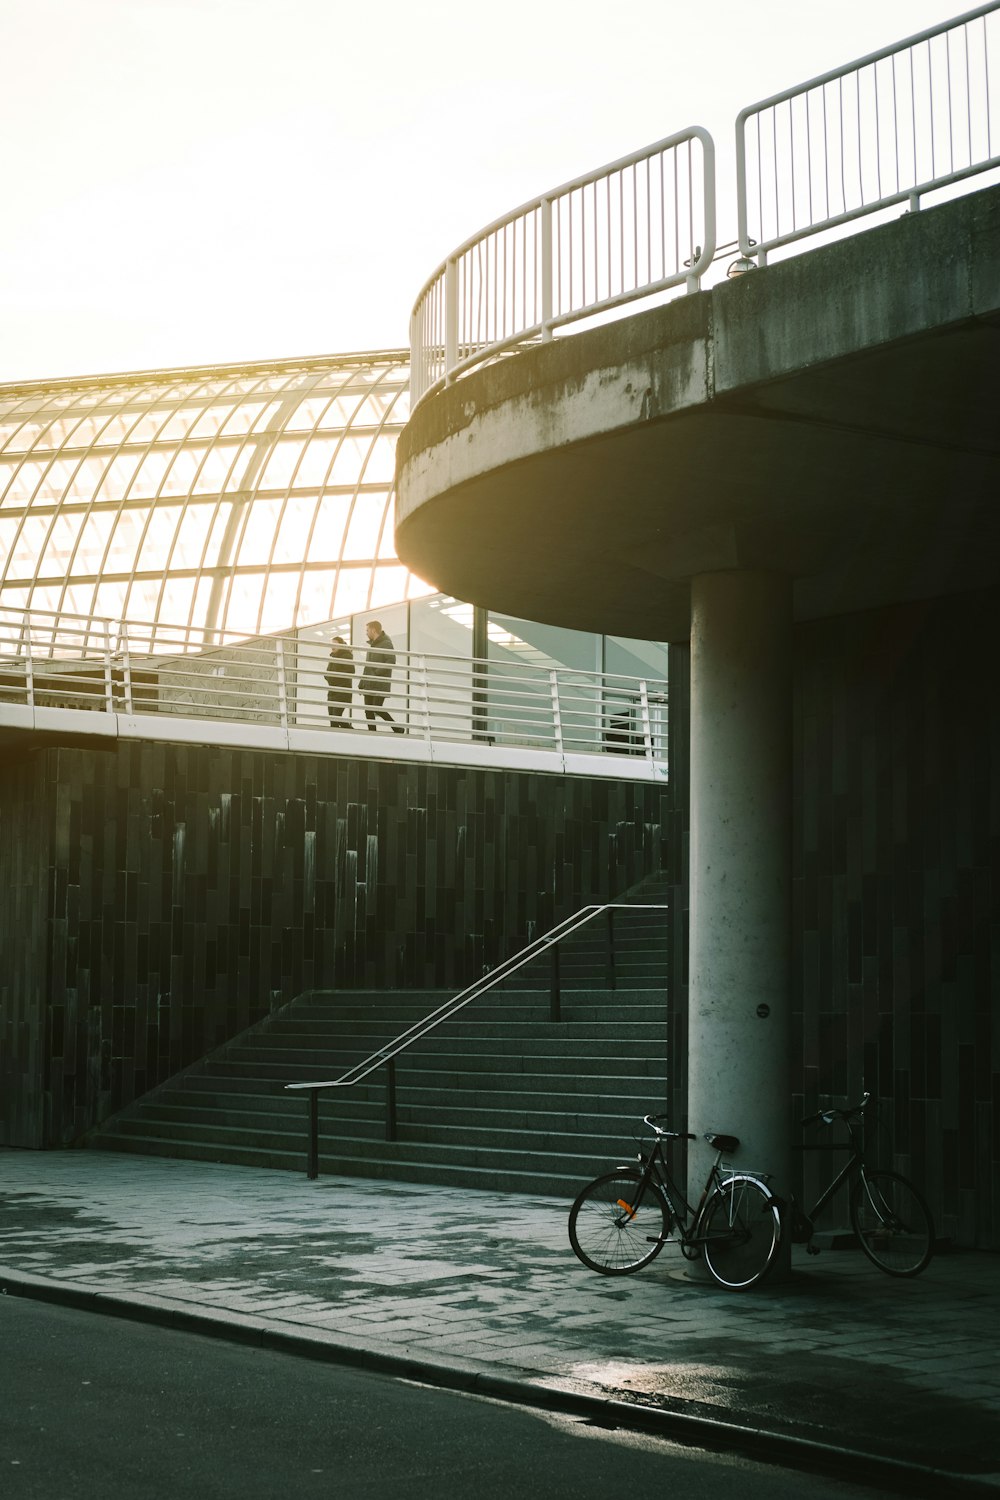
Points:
(281, 465)
(8, 531)
(441, 626)
(295, 524)
(56, 481)
(159, 535)
(125, 539)
(331, 522)
(542, 645)
(25, 481)
(61, 540)
(362, 538)
(151, 473)
(190, 541)
(258, 535)
(381, 465)
(109, 600)
(319, 454)
(636, 658)
(119, 476)
(278, 602)
(353, 590)
(93, 542)
(388, 585)
(318, 591)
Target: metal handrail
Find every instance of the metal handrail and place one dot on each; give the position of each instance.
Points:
(884, 129)
(279, 681)
(386, 1056)
(632, 228)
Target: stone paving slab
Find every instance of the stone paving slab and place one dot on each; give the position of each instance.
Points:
(838, 1356)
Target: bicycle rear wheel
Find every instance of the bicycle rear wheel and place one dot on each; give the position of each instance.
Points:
(613, 1229)
(892, 1222)
(741, 1226)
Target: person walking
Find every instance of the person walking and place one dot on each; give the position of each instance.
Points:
(339, 677)
(380, 658)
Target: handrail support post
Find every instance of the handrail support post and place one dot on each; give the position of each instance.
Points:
(555, 989)
(390, 1099)
(610, 950)
(312, 1151)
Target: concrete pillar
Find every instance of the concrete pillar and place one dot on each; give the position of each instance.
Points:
(739, 1024)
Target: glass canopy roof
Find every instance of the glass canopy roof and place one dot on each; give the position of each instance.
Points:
(227, 500)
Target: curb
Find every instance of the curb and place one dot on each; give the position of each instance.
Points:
(685, 1428)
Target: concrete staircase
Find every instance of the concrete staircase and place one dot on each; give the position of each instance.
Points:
(500, 1097)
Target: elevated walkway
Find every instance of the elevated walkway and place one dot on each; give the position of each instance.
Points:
(87, 681)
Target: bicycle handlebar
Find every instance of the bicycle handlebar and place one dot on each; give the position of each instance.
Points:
(829, 1115)
(674, 1135)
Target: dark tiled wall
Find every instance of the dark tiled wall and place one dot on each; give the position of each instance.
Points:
(897, 889)
(24, 860)
(190, 890)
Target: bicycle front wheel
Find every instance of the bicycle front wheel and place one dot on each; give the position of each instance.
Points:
(741, 1227)
(892, 1222)
(616, 1226)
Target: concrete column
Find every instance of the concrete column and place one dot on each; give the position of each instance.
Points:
(740, 940)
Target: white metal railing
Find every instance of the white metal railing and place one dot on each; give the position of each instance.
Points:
(882, 130)
(630, 229)
(55, 633)
(279, 681)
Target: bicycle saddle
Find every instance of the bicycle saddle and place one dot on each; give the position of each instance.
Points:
(721, 1142)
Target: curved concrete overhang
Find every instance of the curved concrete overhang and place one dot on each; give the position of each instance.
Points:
(834, 417)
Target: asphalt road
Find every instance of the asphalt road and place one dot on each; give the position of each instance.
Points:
(94, 1408)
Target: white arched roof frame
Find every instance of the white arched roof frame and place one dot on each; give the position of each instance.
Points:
(51, 433)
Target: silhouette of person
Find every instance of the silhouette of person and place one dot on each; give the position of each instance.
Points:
(380, 658)
(339, 677)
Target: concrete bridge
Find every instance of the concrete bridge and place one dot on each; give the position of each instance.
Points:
(801, 444)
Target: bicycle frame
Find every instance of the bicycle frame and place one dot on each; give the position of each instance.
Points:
(854, 1146)
(656, 1168)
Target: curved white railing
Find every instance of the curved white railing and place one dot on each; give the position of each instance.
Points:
(278, 683)
(630, 229)
(884, 129)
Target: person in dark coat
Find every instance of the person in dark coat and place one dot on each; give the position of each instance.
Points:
(380, 658)
(339, 676)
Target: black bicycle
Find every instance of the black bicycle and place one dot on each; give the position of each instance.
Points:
(891, 1220)
(621, 1221)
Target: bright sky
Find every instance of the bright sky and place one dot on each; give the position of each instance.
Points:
(198, 181)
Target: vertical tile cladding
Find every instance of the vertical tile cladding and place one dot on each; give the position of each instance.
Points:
(897, 890)
(183, 891)
(27, 1030)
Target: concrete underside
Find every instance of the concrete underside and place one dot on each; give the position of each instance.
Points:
(833, 417)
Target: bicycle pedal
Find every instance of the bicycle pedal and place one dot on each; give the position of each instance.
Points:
(812, 1249)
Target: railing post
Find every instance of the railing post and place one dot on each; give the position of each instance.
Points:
(109, 683)
(126, 657)
(556, 713)
(546, 268)
(390, 1099)
(29, 672)
(609, 966)
(647, 728)
(450, 319)
(555, 996)
(282, 683)
(312, 1149)
(422, 694)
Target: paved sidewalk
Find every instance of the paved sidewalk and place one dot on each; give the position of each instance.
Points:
(481, 1291)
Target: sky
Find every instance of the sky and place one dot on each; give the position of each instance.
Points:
(202, 181)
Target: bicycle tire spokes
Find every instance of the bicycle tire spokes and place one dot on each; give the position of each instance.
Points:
(741, 1230)
(618, 1224)
(892, 1223)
